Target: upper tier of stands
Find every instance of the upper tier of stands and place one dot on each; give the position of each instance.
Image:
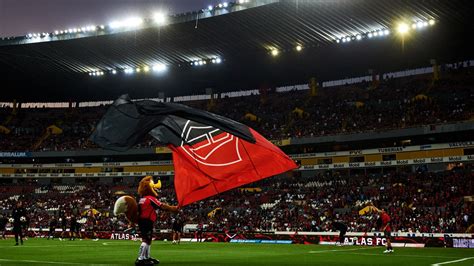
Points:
(392, 103)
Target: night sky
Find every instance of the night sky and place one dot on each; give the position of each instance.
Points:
(19, 17)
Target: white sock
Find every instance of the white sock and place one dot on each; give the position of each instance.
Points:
(142, 251)
(147, 254)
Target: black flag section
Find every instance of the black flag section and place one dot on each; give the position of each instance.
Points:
(127, 122)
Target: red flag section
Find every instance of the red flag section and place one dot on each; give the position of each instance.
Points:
(216, 163)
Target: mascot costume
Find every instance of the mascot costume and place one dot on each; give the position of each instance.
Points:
(144, 214)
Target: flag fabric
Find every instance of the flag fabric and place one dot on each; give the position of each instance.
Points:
(211, 153)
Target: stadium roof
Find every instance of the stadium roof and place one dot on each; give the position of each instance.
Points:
(240, 38)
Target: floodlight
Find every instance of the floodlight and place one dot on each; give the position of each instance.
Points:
(159, 67)
(358, 37)
(159, 18)
(146, 68)
(137, 70)
(403, 28)
(299, 48)
(275, 52)
(56, 32)
(114, 71)
(386, 32)
(134, 22)
(432, 22)
(115, 24)
(210, 8)
(225, 4)
(370, 35)
(419, 24)
(128, 70)
(219, 5)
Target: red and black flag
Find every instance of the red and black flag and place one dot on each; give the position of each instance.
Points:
(211, 153)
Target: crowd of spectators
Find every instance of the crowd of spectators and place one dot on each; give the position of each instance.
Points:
(417, 202)
(388, 104)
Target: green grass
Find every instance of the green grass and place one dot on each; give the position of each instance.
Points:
(122, 252)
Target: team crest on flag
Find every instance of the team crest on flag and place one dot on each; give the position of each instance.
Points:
(207, 145)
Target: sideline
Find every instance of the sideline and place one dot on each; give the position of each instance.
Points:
(452, 261)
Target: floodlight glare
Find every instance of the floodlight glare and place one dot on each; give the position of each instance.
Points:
(275, 52)
(419, 24)
(128, 70)
(210, 8)
(376, 33)
(137, 70)
(432, 22)
(159, 67)
(403, 28)
(348, 39)
(225, 4)
(56, 32)
(299, 48)
(146, 68)
(133, 22)
(115, 24)
(159, 18)
(370, 35)
(386, 32)
(114, 71)
(358, 37)
(425, 24)
(219, 5)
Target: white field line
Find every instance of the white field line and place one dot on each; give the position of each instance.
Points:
(52, 262)
(337, 250)
(400, 255)
(452, 261)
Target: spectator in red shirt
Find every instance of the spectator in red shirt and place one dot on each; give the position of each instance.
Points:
(386, 229)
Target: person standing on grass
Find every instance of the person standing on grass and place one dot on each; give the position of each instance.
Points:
(177, 230)
(342, 228)
(19, 217)
(3, 226)
(52, 227)
(386, 228)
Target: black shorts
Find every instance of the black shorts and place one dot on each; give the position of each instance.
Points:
(387, 234)
(177, 229)
(146, 229)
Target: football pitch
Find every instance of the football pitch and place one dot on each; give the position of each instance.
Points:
(117, 252)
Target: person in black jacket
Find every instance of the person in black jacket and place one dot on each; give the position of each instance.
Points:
(52, 227)
(3, 226)
(342, 228)
(19, 217)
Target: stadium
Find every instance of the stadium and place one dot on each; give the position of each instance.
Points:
(258, 132)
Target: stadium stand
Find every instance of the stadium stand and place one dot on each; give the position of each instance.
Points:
(392, 103)
(419, 202)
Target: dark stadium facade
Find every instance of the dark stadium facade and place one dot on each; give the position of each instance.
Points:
(57, 70)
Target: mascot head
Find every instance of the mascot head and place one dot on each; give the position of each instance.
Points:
(128, 206)
(148, 187)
